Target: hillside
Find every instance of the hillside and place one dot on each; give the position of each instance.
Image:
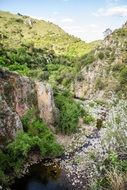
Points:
(107, 74)
(40, 49)
(62, 100)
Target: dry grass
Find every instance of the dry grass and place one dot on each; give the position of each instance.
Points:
(116, 179)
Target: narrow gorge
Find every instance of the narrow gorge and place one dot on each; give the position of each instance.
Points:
(63, 108)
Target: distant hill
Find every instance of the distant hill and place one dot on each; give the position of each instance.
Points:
(40, 49)
(19, 30)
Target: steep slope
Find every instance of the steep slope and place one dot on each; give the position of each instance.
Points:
(19, 95)
(27, 119)
(45, 52)
(107, 74)
(40, 49)
(18, 29)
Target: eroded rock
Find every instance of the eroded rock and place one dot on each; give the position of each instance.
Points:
(46, 105)
(17, 95)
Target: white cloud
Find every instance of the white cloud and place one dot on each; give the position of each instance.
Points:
(67, 20)
(112, 11)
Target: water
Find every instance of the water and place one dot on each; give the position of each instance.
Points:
(42, 177)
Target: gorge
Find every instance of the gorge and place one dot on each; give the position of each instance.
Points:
(63, 108)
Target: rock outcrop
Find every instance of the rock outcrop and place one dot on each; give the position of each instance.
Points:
(17, 95)
(46, 103)
(10, 123)
(102, 78)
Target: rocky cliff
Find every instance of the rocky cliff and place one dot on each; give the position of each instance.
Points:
(17, 95)
(106, 75)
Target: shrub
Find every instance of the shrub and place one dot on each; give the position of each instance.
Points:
(123, 76)
(37, 136)
(22, 145)
(40, 134)
(89, 59)
(4, 180)
(101, 55)
(88, 119)
(69, 113)
(117, 67)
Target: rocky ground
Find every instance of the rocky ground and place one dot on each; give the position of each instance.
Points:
(84, 149)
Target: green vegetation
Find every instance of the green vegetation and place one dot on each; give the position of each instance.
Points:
(113, 173)
(41, 50)
(101, 55)
(123, 76)
(69, 114)
(88, 119)
(41, 135)
(113, 169)
(37, 137)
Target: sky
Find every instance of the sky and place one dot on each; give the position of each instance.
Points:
(86, 19)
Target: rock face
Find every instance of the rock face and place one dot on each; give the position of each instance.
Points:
(101, 78)
(10, 124)
(18, 95)
(46, 103)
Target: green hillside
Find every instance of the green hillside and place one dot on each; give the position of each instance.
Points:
(40, 49)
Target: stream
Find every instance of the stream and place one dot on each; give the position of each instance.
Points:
(42, 177)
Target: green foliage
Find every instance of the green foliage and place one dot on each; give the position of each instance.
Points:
(101, 55)
(117, 67)
(69, 114)
(123, 76)
(3, 178)
(37, 137)
(40, 135)
(45, 51)
(122, 32)
(113, 173)
(88, 119)
(4, 166)
(88, 59)
(22, 145)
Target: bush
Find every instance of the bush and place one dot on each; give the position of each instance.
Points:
(123, 76)
(88, 119)
(101, 55)
(22, 145)
(37, 136)
(69, 113)
(89, 59)
(40, 135)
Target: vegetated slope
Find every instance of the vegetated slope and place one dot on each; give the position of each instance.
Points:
(107, 74)
(43, 51)
(40, 49)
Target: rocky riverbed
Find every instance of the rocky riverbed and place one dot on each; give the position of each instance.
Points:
(85, 150)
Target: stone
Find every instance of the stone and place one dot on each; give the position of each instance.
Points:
(10, 124)
(19, 94)
(46, 105)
